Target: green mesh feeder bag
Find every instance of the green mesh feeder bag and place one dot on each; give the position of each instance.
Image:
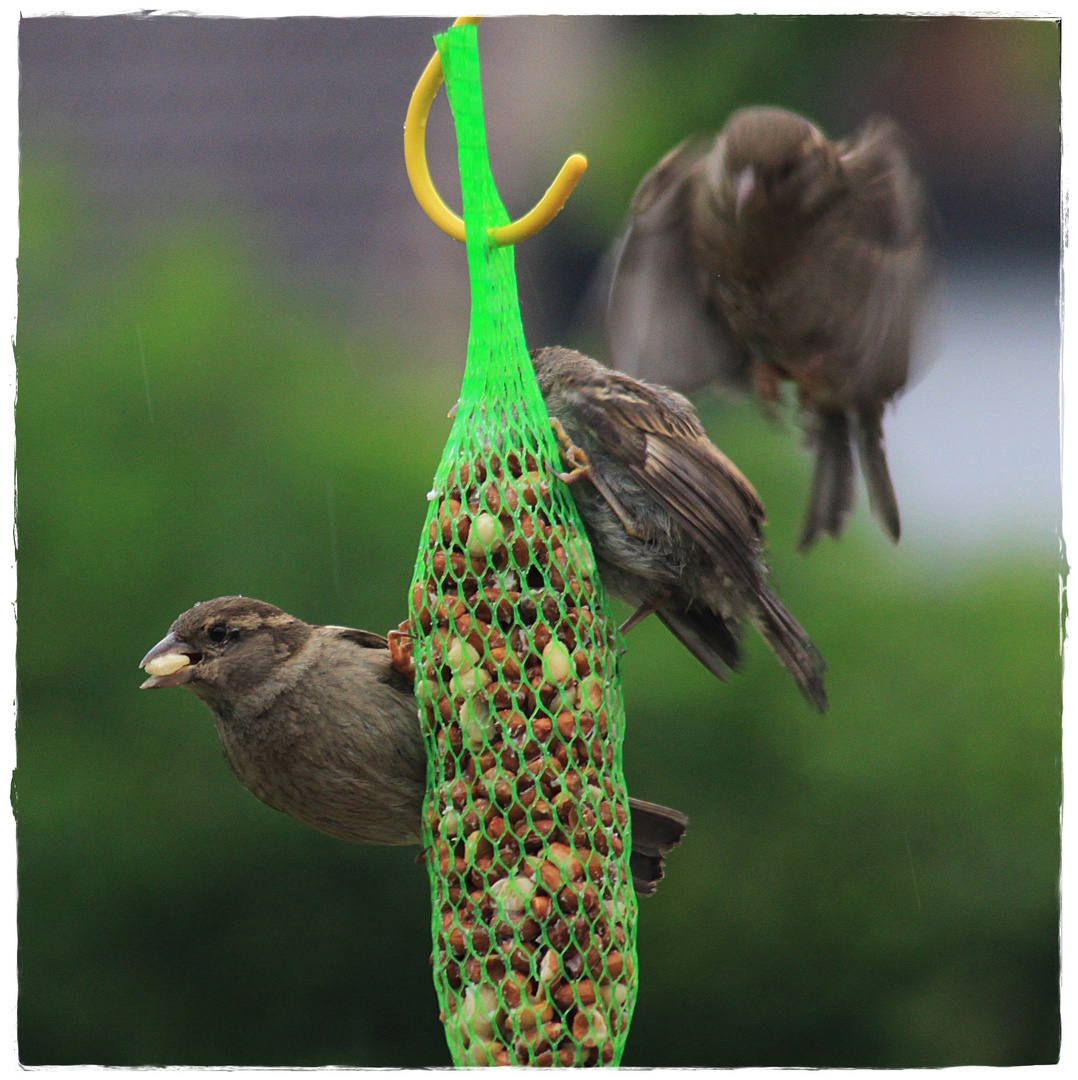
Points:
(514, 654)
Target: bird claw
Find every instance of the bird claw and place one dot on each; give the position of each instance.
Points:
(580, 472)
(572, 454)
(576, 457)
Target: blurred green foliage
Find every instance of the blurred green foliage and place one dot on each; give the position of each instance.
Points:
(877, 887)
(684, 75)
(722, 64)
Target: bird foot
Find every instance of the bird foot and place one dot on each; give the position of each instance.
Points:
(572, 454)
(767, 378)
(582, 469)
(814, 385)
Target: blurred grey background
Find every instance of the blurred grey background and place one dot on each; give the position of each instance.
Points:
(238, 338)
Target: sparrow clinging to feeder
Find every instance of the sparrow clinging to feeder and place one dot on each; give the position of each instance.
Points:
(317, 723)
(675, 526)
(771, 254)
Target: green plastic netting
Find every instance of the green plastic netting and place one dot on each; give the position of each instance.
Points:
(514, 652)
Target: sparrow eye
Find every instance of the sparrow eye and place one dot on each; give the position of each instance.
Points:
(217, 633)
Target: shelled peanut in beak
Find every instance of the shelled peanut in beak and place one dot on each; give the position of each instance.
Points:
(169, 663)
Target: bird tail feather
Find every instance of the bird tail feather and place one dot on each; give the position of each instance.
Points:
(655, 830)
(881, 492)
(792, 646)
(832, 485)
(706, 635)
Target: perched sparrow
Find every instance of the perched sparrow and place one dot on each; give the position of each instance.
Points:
(771, 253)
(316, 722)
(675, 527)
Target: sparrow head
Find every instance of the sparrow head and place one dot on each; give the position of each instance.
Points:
(556, 366)
(223, 648)
(776, 161)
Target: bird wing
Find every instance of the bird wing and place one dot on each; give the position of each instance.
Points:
(656, 436)
(878, 260)
(363, 638)
(660, 323)
(378, 702)
(366, 640)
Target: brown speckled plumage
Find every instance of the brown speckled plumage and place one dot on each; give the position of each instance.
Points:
(692, 547)
(316, 723)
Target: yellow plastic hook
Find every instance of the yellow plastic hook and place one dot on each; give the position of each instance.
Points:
(415, 159)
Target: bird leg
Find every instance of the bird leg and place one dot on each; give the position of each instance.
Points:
(649, 607)
(572, 454)
(767, 378)
(582, 468)
(814, 387)
(767, 382)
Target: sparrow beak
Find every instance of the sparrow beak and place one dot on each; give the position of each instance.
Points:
(744, 186)
(170, 662)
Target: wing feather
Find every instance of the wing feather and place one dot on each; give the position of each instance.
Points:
(660, 323)
(656, 435)
(364, 638)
